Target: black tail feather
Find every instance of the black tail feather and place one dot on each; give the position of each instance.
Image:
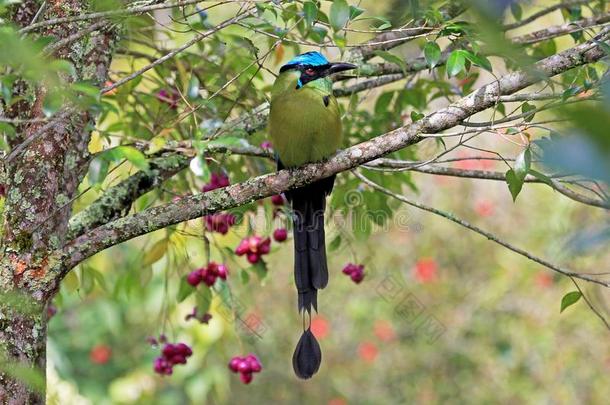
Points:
(307, 356)
(310, 267)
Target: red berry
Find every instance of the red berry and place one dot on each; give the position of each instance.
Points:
(184, 349)
(255, 364)
(194, 278)
(357, 277)
(246, 378)
(280, 234)
(209, 278)
(277, 199)
(265, 246)
(253, 258)
(242, 248)
(234, 363)
(222, 271)
(243, 366)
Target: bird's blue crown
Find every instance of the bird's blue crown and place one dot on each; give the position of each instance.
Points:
(308, 58)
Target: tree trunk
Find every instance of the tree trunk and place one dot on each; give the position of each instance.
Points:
(23, 334)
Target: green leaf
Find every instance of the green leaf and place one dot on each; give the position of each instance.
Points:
(383, 102)
(478, 60)
(260, 269)
(339, 14)
(335, 243)
(525, 108)
(318, 34)
(390, 57)
(541, 176)
(523, 163)
(455, 63)
(203, 299)
(87, 89)
(310, 10)
(569, 299)
(184, 290)
(133, 155)
(193, 88)
(155, 253)
(354, 12)
(416, 116)
(245, 277)
(51, 104)
(432, 53)
(98, 169)
(515, 184)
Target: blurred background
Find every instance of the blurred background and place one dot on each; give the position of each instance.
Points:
(442, 315)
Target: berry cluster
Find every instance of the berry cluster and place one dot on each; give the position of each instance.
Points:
(217, 180)
(253, 247)
(355, 271)
(208, 274)
(245, 366)
(171, 355)
(219, 222)
(280, 234)
(170, 98)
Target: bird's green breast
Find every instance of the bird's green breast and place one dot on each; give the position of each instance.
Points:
(305, 123)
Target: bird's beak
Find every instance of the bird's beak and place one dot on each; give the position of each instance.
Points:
(340, 67)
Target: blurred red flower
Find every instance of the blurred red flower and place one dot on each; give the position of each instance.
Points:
(426, 270)
(484, 207)
(100, 354)
(319, 326)
(384, 330)
(368, 351)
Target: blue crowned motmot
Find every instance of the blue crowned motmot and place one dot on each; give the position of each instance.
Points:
(305, 127)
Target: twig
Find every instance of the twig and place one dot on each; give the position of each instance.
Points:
(480, 231)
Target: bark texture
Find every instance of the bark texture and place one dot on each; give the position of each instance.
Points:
(41, 178)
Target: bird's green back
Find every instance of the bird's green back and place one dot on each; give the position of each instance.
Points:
(304, 123)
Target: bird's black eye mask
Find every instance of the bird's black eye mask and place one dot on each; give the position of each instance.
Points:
(308, 72)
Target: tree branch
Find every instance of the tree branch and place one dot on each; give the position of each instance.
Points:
(480, 231)
(198, 205)
(490, 175)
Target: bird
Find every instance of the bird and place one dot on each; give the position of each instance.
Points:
(305, 127)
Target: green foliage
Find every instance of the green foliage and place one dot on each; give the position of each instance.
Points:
(570, 299)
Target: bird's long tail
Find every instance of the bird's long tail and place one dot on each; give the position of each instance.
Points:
(310, 267)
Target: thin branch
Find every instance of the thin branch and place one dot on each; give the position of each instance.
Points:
(111, 13)
(176, 51)
(195, 206)
(491, 175)
(542, 13)
(480, 231)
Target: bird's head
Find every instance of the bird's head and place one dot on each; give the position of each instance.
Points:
(313, 66)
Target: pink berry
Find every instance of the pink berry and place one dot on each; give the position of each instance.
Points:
(184, 349)
(253, 258)
(277, 199)
(265, 246)
(209, 278)
(194, 278)
(246, 378)
(234, 363)
(243, 366)
(222, 271)
(280, 234)
(242, 248)
(255, 364)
